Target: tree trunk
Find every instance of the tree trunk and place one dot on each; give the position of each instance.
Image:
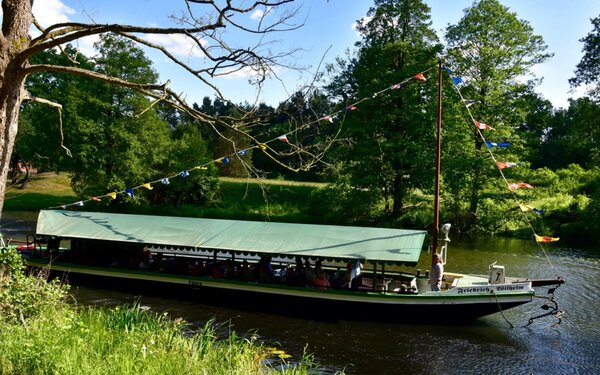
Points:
(398, 194)
(16, 20)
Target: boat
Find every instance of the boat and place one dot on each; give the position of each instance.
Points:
(114, 246)
(265, 263)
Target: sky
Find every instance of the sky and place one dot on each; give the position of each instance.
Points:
(327, 32)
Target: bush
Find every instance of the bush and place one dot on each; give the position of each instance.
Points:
(25, 297)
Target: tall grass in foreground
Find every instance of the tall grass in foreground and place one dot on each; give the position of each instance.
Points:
(64, 339)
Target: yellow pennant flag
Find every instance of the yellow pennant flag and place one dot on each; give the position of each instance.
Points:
(262, 146)
(525, 207)
(545, 239)
(147, 186)
(113, 195)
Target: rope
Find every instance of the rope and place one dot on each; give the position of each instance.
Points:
(514, 194)
(502, 312)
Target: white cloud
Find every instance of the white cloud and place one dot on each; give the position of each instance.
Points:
(177, 44)
(258, 14)
(49, 12)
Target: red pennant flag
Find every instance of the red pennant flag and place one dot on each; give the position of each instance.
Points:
(328, 118)
(517, 185)
(97, 199)
(420, 77)
(283, 138)
(482, 126)
(505, 164)
(545, 239)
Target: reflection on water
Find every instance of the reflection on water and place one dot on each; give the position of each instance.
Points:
(488, 345)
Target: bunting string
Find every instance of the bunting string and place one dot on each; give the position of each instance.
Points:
(512, 186)
(226, 159)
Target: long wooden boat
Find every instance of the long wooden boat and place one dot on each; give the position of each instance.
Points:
(210, 255)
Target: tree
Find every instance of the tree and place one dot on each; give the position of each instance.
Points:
(18, 47)
(588, 69)
(492, 49)
(390, 139)
(572, 136)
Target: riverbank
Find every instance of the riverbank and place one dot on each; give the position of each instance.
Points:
(43, 331)
(568, 215)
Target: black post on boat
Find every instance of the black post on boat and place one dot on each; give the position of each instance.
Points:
(436, 203)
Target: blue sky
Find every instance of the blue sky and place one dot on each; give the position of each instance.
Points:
(328, 32)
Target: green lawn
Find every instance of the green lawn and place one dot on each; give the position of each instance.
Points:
(241, 198)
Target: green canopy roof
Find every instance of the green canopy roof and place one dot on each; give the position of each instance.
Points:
(285, 239)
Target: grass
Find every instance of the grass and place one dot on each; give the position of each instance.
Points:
(241, 198)
(50, 336)
(42, 191)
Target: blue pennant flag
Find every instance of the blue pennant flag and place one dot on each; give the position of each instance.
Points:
(165, 181)
(457, 80)
(184, 173)
(130, 193)
(538, 211)
(242, 152)
(448, 70)
(495, 144)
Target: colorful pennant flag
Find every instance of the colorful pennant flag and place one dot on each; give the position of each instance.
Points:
(97, 199)
(505, 164)
(517, 185)
(130, 193)
(420, 77)
(328, 118)
(80, 204)
(469, 103)
(482, 126)
(224, 160)
(184, 173)
(495, 144)
(350, 108)
(242, 152)
(147, 186)
(397, 86)
(527, 208)
(545, 239)
(263, 147)
(165, 181)
(457, 80)
(283, 138)
(113, 195)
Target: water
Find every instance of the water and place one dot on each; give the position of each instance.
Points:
(488, 345)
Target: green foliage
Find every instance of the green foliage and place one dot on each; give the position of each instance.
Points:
(118, 138)
(572, 136)
(389, 138)
(588, 69)
(491, 49)
(344, 204)
(22, 297)
(42, 334)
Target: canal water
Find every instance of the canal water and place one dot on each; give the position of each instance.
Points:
(487, 345)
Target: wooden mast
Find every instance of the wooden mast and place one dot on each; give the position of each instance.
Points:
(436, 204)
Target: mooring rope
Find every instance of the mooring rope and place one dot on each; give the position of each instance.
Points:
(502, 312)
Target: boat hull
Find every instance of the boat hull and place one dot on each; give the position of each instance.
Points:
(453, 306)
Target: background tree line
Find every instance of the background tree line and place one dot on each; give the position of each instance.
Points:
(381, 166)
